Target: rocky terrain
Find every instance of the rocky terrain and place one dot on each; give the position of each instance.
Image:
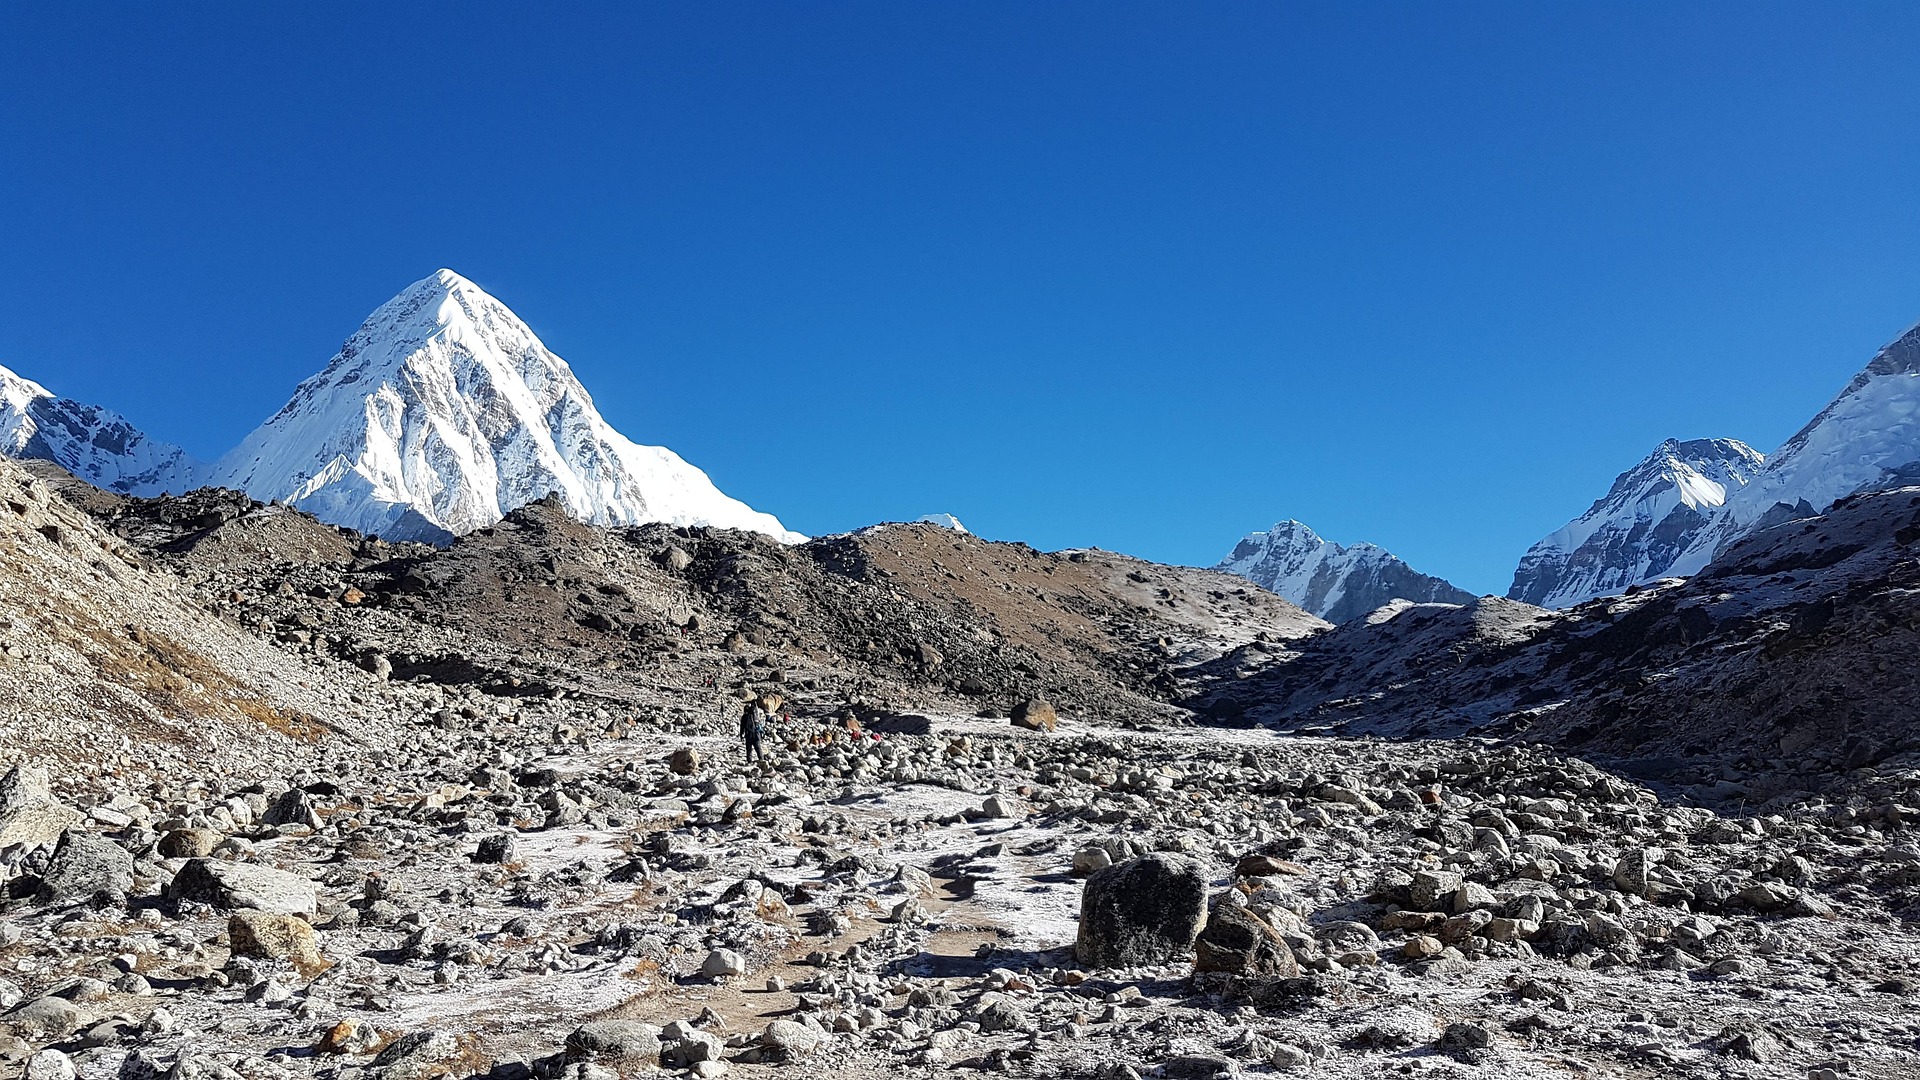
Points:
(407, 812)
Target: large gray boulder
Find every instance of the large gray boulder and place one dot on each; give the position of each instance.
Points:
(627, 1042)
(1239, 942)
(233, 885)
(83, 866)
(1140, 912)
(29, 814)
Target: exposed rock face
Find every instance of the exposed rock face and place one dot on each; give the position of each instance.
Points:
(1634, 534)
(1332, 581)
(1141, 912)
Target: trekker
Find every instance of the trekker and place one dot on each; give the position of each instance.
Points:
(753, 722)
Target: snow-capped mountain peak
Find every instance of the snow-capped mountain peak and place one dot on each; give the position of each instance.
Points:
(92, 443)
(1330, 580)
(443, 413)
(1866, 439)
(1647, 519)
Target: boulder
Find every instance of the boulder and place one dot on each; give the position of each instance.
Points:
(189, 843)
(684, 761)
(784, 1040)
(1144, 911)
(29, 814)
(1239, 942)
(1035, 714)
(628, 1042)
(276, 937)
(86, 865)
(234, 885)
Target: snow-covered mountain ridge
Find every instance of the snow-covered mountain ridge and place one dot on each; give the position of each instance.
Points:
(1330, 580)
(443, 413)
(1866, 439)
(1632, 535)
(92, 443)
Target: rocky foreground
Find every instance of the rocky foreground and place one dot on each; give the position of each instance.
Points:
(523, 890)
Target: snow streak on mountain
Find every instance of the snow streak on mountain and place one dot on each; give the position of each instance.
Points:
(1334, 582)
(444, 412)
(96, 445)
(1634, 534)
(1866, 439)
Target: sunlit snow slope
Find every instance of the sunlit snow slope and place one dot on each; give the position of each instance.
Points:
(88, 441)
(1867, 439)
(444, 412)
(1647, 519)
(1332, 581)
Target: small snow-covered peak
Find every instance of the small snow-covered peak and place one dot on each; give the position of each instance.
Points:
(443, 412)
(1332, 581)
(1647, 519)
(92, 443)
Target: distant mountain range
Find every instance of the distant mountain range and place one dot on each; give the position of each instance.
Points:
(1334, 582)
(443, 413)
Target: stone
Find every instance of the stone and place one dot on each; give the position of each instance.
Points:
(1267, 866)
(788, 1040)
(625, 1041)
(85, 865)
(276, 937)
(999, 806)
(189, 843)
(496, 849)
(1432, 887)
(1090, 859)
(684, 761)
(1239, 942)
(49, 1065)
(1143, 911)
(429, 1055)
(723, 962)
(233, 885)
(42, 1020)
(29, 814)
(1035, 714)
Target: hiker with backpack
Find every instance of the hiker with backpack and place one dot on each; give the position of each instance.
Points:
(753, 724)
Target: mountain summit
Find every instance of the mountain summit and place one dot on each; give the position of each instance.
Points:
(444, 412)
(1332, 581)
(1866, 439)
(1647, 519)
(92, 443)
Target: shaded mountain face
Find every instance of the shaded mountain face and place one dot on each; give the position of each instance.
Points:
(444, 412)
(1633, 535)
(1332, 581)
(90, 442)
(1866, 439)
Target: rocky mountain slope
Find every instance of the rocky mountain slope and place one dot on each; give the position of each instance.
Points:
(1635, 533)
(442, 413)
(92, 443)
(1330, 580)
(1775, 664)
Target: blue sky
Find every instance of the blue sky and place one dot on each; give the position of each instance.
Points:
(1141, 276)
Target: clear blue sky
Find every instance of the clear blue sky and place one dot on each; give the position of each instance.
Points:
(1141, 276)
